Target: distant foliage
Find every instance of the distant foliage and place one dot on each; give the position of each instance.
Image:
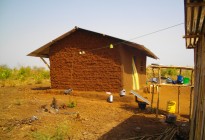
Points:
(5, 72)
(29, 75)
(168, 72)
(24, 73)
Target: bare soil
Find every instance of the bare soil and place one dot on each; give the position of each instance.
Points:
(92, 118)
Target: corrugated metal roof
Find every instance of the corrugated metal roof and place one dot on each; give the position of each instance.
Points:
(44, 50)
(194, 21)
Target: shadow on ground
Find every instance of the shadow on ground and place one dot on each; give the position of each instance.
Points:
(136, 125)
(144, 123)
(41, 88)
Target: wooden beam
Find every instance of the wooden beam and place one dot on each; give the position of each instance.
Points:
(157, 110)
(176, 67)
(195, 4)
(45, 62)
(191, 36)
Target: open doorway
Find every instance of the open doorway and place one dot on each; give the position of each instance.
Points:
(135, 77)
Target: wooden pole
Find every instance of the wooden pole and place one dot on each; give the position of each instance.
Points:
(192, 72)
(157, 110)
(45, 62)
(152, 92)
(159, 75)
(178, 99)
(190, 105)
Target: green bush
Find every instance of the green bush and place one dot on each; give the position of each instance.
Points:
(23, 73)
(45, 74)
(5, 72)
(72, 104)
(38, 79)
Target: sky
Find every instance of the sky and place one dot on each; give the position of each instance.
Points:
(26, 25)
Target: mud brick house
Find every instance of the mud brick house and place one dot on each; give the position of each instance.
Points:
(85, 60)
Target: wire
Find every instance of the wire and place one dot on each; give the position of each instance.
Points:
(157, 31)
(139, 36)
(149, 33)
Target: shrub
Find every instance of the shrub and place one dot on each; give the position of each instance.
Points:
(72, 104)
(38, 79)
(61, 133)
(24, 73)
(5, 72)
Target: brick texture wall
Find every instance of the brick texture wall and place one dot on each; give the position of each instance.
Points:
(96, 70)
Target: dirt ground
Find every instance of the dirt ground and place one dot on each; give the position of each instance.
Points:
(25, 113)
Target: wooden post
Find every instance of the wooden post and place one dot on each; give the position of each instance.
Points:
(190, 105)
(45, 62)
(192, 72)
(152, 92)
(157, 110)
(159, 75)
(178, 99)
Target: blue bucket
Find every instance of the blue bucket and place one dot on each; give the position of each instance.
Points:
(180, 79)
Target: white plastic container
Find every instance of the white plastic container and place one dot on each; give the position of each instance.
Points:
(110, 99)
(122, 93)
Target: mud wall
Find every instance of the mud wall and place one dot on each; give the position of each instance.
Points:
(127, 54)
(96, 70)
(140, 63)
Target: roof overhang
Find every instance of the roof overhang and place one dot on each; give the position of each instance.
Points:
(44, 50)
(194, 21)
(142, 48)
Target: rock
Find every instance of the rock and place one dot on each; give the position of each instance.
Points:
(183, 125)
(85, 133)
(137, 128)
(52, 111)
(68, 91)
(162, 120)
(33, 128)
(33, 118)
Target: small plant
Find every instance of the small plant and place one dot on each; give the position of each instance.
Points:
(38, 79)
(2, 83)
(18, 102)
(72, 104)
(40, 136)
(11, 83)
(61, 133)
